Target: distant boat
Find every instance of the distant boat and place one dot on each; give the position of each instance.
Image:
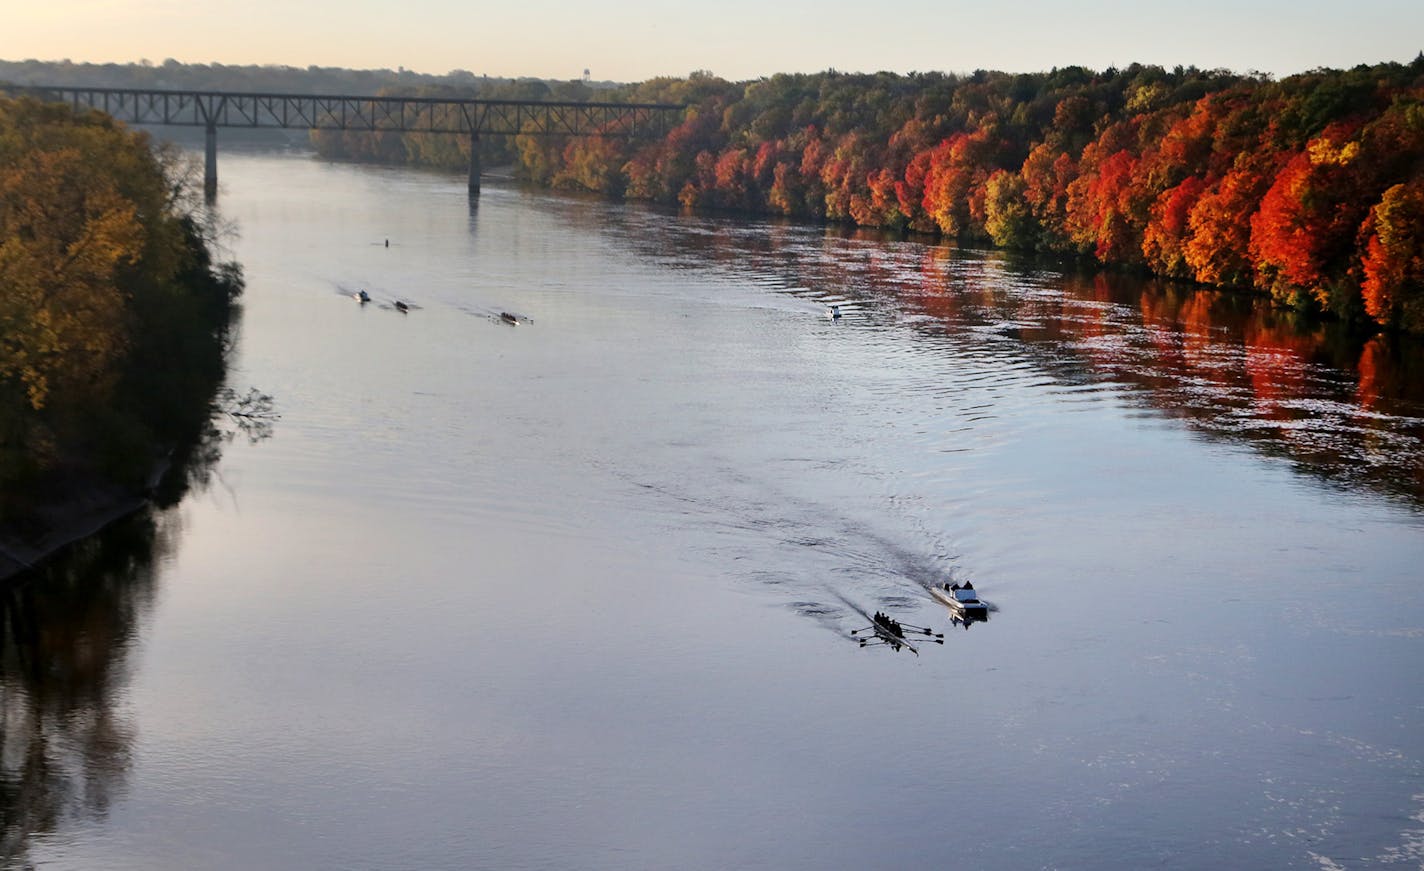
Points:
(363, 297)
(402, 307)
(509, 318)
(834, 313)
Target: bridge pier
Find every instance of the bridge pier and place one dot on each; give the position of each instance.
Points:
(210, 164)
(474, 164)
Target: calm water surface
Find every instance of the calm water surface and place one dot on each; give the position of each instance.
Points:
(577, 594)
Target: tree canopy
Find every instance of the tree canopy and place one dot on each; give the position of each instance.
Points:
(112, 311)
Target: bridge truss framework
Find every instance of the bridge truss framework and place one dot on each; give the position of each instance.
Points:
(469, 117)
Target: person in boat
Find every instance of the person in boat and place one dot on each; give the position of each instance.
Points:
(952, 587)
(968, 585)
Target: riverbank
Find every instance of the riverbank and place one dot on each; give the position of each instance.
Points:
(81, 507)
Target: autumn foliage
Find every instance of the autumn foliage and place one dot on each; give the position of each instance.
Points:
(1306, 188)
(111, 310)
(1309, 189)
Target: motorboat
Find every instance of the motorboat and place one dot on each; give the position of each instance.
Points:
(962, 601)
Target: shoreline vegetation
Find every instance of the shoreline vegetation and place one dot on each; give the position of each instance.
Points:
(115, 324)
(1309, 189)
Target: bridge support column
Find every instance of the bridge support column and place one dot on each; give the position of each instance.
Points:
(210, 164)
(474, 164)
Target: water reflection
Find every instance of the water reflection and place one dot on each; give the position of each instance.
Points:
(66, 631)
(1339, 406)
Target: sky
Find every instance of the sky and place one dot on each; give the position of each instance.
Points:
(634, 40)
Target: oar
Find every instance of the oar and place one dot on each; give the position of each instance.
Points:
(924, 629)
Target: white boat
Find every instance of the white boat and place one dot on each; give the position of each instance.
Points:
(962, 601)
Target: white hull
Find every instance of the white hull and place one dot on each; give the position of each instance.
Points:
(972, 608)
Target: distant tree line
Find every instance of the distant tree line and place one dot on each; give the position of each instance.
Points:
(114, 316)
(260, 78)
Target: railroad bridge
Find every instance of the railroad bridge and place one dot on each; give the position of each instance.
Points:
(464, 117)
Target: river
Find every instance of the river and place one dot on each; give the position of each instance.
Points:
(579, 593)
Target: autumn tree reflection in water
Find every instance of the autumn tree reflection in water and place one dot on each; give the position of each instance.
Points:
(1338, 404)
(66, 632)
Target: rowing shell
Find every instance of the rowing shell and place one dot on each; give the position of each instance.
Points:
(884, 633)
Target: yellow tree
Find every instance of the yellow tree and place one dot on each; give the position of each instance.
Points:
(88, 229)
(66, 232)
(1393, 263)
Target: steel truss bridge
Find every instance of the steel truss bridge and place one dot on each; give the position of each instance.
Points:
(467, 117)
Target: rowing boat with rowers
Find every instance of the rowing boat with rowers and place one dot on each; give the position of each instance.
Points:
(889, 631)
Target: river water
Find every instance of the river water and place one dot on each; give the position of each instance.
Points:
(578, 593)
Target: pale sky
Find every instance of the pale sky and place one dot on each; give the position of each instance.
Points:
(633, 40)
